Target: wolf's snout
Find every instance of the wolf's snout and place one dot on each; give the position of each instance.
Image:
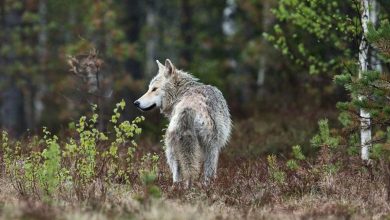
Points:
(137, 103)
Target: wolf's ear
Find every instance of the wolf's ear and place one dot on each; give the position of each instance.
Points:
(160, 65)
(170, 68)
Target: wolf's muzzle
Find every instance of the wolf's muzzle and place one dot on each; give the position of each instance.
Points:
(148, 108)
(138, 105)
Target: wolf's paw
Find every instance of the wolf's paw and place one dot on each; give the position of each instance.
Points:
(208, 182)
(179, 186)
(188, 184)
(182, 185)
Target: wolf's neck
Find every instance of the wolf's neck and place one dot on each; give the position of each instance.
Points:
(182, 84)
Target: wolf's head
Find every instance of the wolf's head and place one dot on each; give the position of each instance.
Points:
(158, 87)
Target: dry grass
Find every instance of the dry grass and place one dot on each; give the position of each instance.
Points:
(240, 192)
(243, 189)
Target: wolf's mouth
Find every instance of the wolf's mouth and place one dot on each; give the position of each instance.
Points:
(148, 108)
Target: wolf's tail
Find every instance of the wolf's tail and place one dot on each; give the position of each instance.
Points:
(186, 145)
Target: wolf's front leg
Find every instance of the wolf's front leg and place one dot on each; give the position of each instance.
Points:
(173, 164)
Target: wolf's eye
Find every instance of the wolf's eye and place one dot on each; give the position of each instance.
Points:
(154, 89)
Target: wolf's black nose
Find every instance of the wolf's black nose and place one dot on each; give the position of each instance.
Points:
(136, 103)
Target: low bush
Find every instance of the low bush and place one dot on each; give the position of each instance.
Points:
(84, 166)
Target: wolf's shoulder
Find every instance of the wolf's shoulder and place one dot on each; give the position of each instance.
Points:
(207, 96)
(208, 91)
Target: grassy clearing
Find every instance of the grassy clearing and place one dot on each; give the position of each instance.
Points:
(327, 184)
(243, 192)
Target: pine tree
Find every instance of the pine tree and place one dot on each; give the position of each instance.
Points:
(370, 90)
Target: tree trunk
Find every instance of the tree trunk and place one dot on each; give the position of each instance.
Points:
(185, 30)
(36, 87)
(228, 24)
(266, 22)
(368, 59)
(375, 63)
(43, 55)
(151, 43)
(134, 14)
(12, 110)
(12, 102)
(365, 121)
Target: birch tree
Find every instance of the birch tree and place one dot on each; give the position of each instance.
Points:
(367, 59)
(365, 131)
(375, 62)
(228, 23)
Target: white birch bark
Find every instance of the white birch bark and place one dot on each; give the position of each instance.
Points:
(228, 23)
(370, 14)
(375, 63)
(365, 121)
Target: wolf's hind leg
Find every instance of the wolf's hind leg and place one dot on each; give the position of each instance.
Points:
(185, 145)
(189, 155)
(173, 164)
(210, 164)
(176, 172)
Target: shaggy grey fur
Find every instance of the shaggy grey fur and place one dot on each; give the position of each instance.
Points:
(199, 124)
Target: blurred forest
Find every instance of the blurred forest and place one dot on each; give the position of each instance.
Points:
(307, 83)
(270, 63)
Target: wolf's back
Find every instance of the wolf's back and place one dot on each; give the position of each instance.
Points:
(218, 111)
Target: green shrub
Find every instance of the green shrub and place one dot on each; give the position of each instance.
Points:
(293, 164)
(323, 138)
(75, 166)
(277, 175)
(149, 172)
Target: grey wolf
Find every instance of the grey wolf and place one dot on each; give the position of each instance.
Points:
(199, 121)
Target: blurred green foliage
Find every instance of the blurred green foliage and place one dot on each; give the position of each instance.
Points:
(73, 167)
(320, 35)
